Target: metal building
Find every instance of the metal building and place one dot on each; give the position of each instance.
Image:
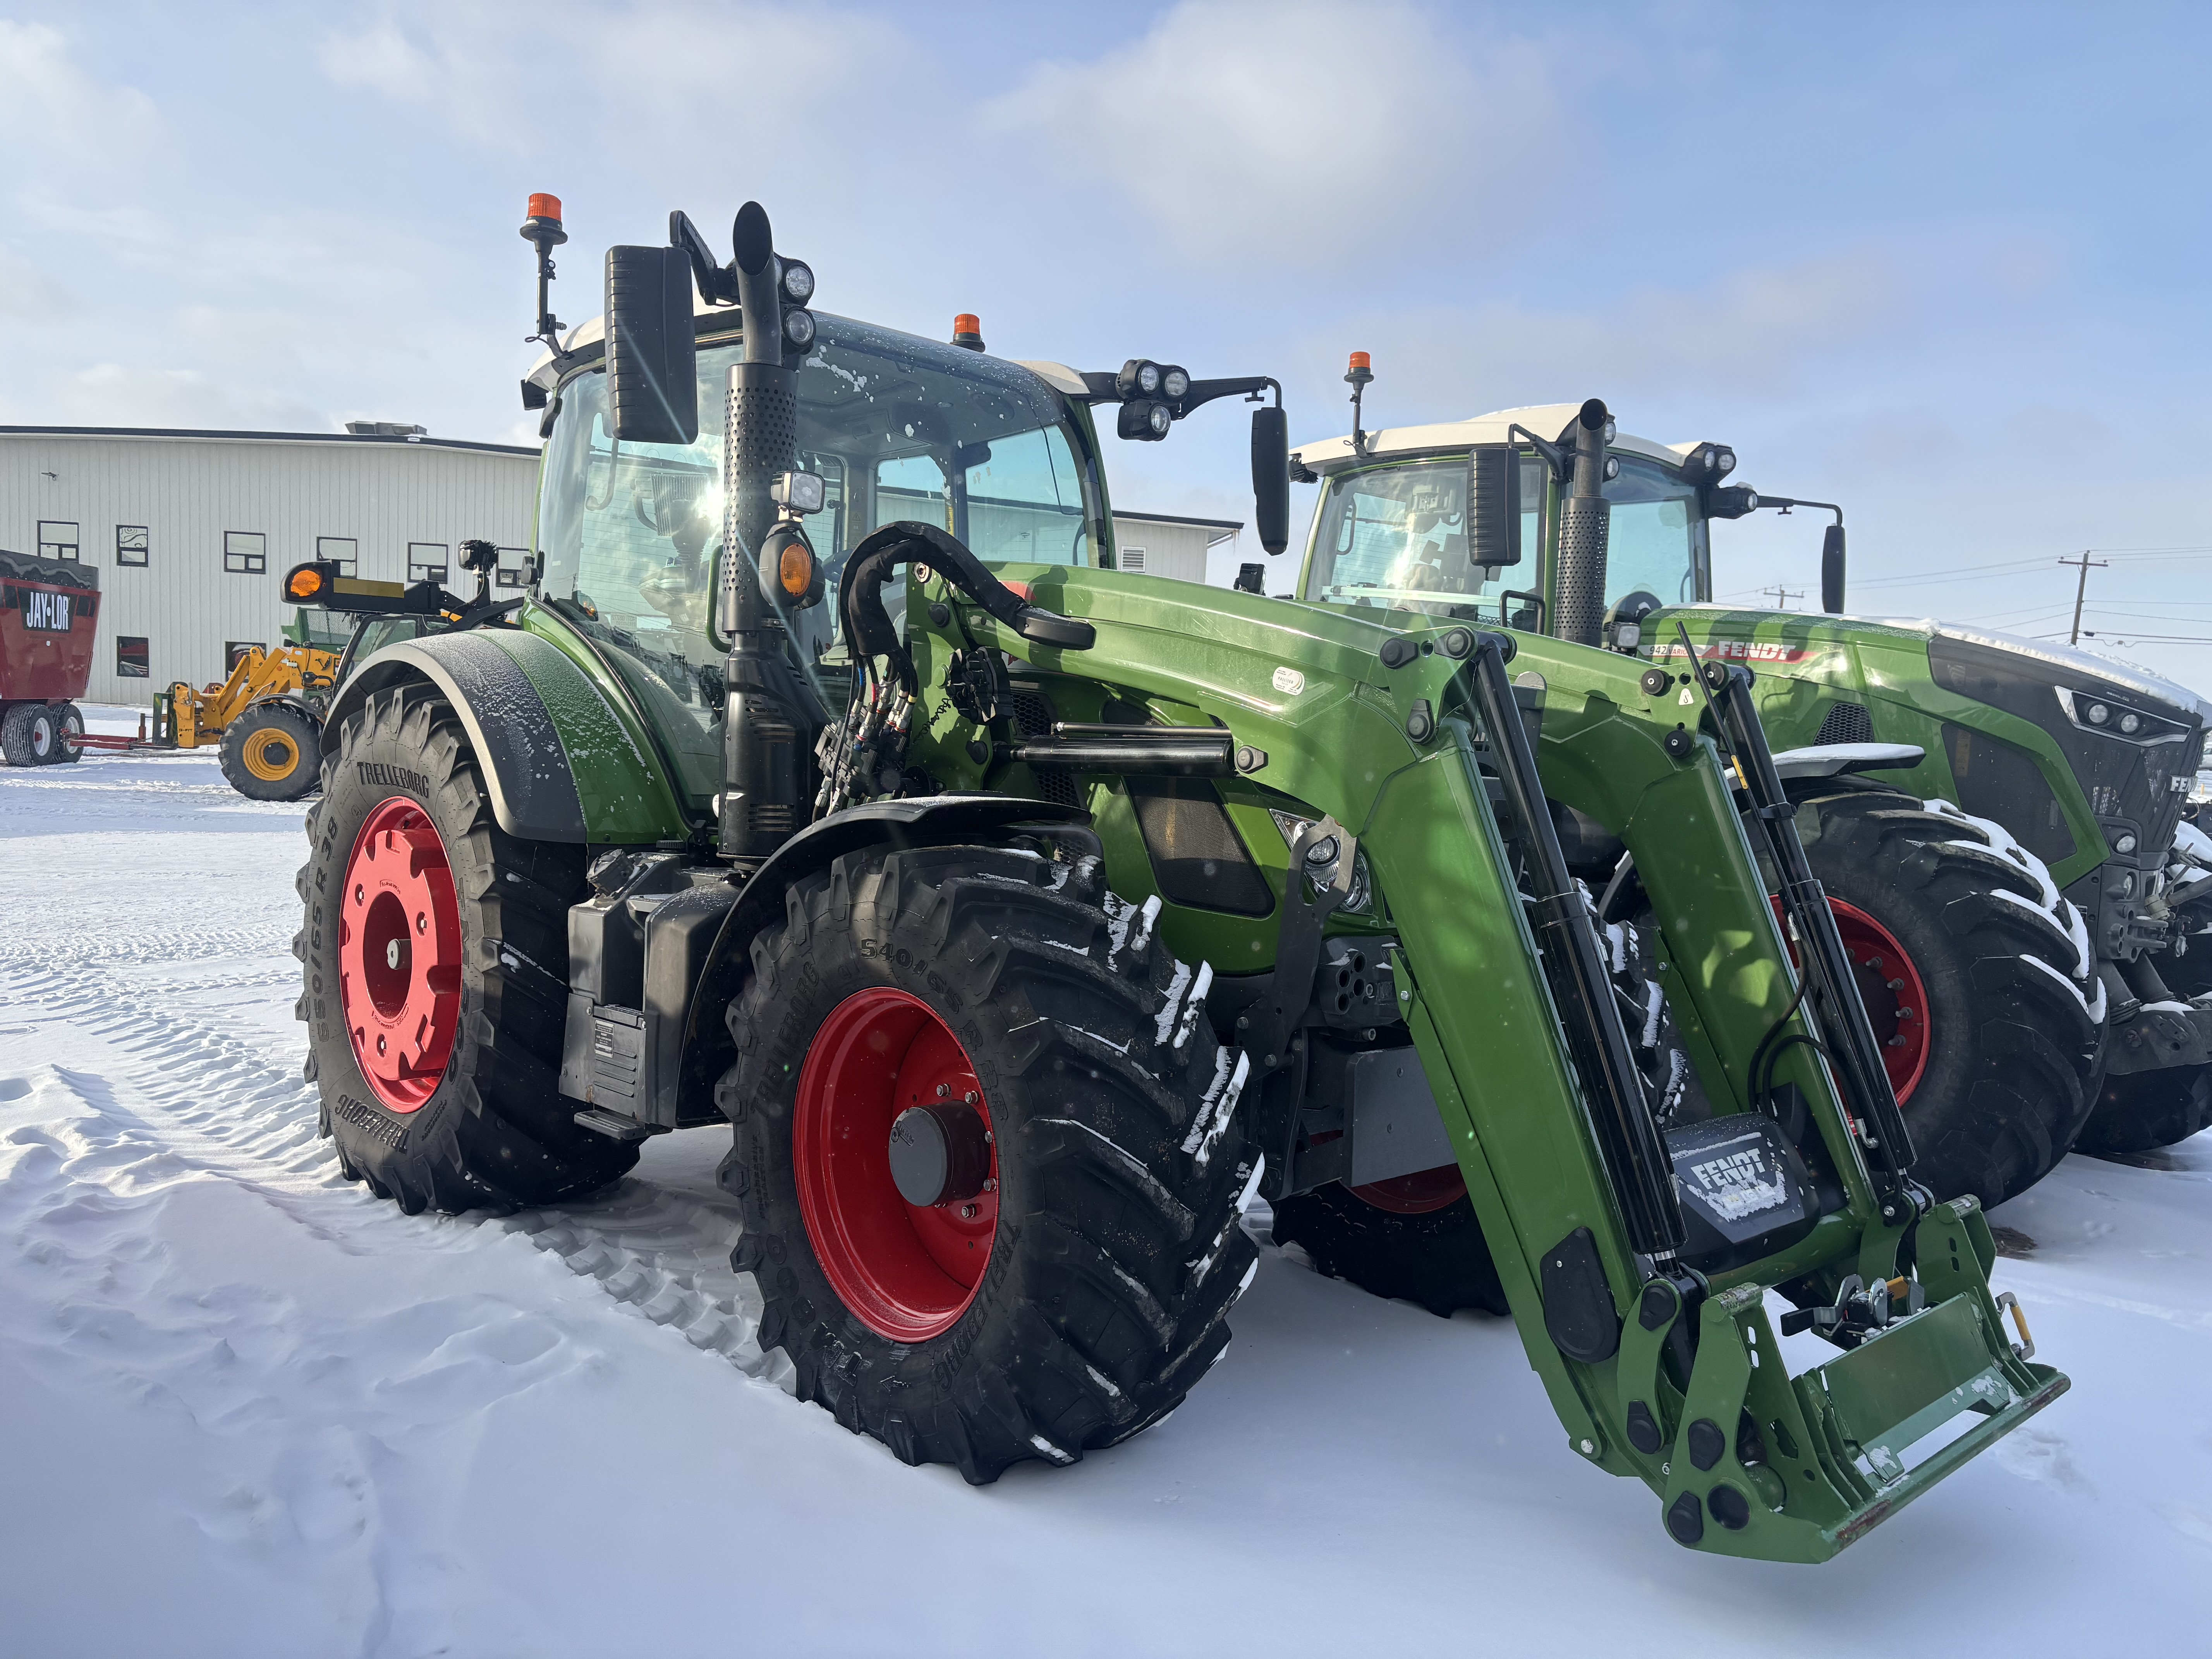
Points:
(192, 530)
(1161, 545)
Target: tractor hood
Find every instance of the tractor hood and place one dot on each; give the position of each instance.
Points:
(1774, 635)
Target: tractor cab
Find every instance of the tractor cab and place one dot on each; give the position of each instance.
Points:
(896, 427)
(1392, 531)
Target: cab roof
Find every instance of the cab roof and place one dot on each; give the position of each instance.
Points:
(590, 337)
(1327, 455)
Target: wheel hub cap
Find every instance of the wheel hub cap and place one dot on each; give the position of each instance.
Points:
(271, 757)
(895, 1163)
(1891, 988)
(400, 955)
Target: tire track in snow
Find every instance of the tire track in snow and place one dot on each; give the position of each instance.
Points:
(221, 1105)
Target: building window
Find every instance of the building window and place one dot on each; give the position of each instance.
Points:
(425, 561)
(1132, 558)
(132, 658)
(130, 543)
(343, 551)
(514, 567)
(234, 649)
(58, 540)
(245, 552)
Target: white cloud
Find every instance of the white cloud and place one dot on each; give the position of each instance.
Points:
(112, 394)
(381, 59)
(56, 123)
(27, 294)
(1757, 332)
(1316, 131)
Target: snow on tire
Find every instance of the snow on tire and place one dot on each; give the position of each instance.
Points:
(2014, 1022)
(999, 1028)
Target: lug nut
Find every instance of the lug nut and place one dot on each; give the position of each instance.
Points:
(967, 1212)
(421, 923)
(380, 1045)
(358, 893)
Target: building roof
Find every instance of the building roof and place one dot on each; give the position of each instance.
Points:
(1172, 518)
(199, 435)
(1545, 420)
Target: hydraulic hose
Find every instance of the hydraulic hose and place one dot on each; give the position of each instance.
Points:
(1852, 1047)
(1635, 1154)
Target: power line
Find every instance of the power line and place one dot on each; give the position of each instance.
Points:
(2081, 589)
(1784, 595)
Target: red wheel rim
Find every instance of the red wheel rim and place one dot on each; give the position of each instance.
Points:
(400, 955)
(906, 1271)
(1890, 986)
(1417, 1193)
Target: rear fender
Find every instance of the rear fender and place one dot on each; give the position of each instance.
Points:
(530, 712)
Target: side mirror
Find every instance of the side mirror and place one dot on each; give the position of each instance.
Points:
(1271, 477)
(652, 385)
(1831, 570)
(1494, 505)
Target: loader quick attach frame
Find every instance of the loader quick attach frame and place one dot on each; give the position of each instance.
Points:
(1657, 1352)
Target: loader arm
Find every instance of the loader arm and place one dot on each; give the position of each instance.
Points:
(1654, 1369)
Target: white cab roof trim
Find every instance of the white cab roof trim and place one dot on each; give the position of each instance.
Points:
(1059, 376)
(1546, 420)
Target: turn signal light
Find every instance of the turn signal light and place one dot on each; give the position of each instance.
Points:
(795, 569)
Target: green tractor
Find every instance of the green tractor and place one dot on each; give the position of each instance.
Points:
(1997, 821)
(1020, 918)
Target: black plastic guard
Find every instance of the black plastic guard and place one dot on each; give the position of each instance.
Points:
(1578, 1311)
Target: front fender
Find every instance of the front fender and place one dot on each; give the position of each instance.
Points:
(931, 821)
(504, 687)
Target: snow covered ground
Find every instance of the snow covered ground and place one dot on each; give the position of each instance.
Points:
(251, 1411)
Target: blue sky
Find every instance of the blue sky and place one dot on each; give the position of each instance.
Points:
(1943, 265)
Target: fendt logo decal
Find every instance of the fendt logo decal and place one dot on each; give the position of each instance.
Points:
(48, 613)
(381, 776)
(1740, 650)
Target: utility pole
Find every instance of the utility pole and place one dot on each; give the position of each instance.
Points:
(1784, 595)
(2081, 589)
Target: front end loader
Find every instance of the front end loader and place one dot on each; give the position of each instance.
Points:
(1020, 917)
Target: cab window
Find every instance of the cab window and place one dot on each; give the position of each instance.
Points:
(1652, 546)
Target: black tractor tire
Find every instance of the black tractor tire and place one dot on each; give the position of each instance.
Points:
(1104, 1291)
(272, 752)
(2142, 1111)
(1438, 1259)
(69, 734)
(2014, 1021)
(495, 1131)
(29, 735)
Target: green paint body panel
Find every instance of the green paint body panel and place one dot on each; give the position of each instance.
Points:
(1305, 683)
(621, 779)
(1802, 662)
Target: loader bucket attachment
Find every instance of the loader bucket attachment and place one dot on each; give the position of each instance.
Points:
(1788, 1469)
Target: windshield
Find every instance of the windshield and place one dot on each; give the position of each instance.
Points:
(1396, 537)
(898, 428)
(1652, 546)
